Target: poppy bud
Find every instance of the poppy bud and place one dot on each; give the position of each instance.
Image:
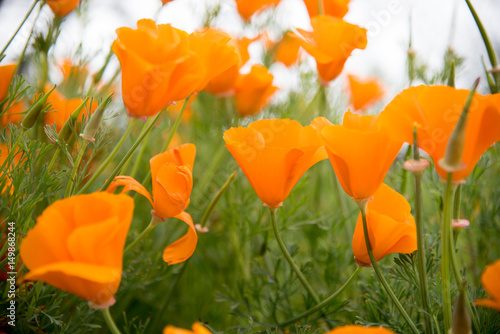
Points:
(66, 130)
(461, 323)
(95, 120)
(35, 110)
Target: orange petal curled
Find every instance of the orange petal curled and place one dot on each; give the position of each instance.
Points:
(129, 184)
(182, 249)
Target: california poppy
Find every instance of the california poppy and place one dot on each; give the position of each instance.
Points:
(360, 153)
(14, 114)
(253, 90)
(435, 111)
(287, 50)
(273, 154)
(164, 2)
(336, 8)
(62, 7)
(246, 8)
(331, 42)
(391, 227)
(355, 329)
(490, 279)
(77, 245)
(158, 66)
(6, 75)
(197, 329)
(364, 91)
(171, 172)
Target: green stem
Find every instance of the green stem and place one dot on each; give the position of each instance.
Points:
(324, 302)
(214, 201)
(109, 321)
(456, 202)
(110, 157)
(147, 129)
(445, 252)
(381, 278)
(152, 224)
(72, 181)
(138, 159)
(289, 258)
(19, 28)
(54, 158)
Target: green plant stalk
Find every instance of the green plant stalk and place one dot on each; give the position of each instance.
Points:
(54, 158)
(209, 172)
(147, 129)
(110, 157)
(152, 224)
(456, 202)
(324, 302)
(362, 208)
(21, 57)
(138, 159)
(445, 252)
(489, 48)
(214, 201)
(289, 258)
(109, 321)
(72, 181)
(19, 28)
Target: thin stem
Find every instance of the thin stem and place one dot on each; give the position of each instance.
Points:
(154, 221)
(110, 157)
(109, 321)
(72, 181)
(445, 252)
(289, 258)
(147, 129)
(138, 159)
(381, 278)
(54, 158)
(456, 202)
(20, 26)
(324, 302)
(214, 201)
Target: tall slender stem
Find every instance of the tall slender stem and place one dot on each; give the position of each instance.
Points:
(216, 198)
(324, 302)
(72, 181)
(381, 278)
(289, 258)
(19, 28)
(154, 221)
(138, 159)
(109, 321)
(445, 252)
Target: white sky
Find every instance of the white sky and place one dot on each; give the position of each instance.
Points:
(386, 20)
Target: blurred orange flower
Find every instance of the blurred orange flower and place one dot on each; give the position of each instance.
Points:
(331, 42)
(14, 114)
(197, 329)
(360, 153)
(6, 74)
(253, 90)
(164, 2)
(4, 152)
(158, 66)
(62, 7)
(77, 245)
(355, 329)
(247, 8)
(287, 50)
(273, 154)
(364, 92)
(336, 8)
(171, 172)
(391, 226)
(490, 279)
(436, 110)
(62, 108)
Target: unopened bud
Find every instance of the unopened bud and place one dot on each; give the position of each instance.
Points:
(452, 160)
(67, 129)
(461, 323)
(95, 120)
(35, 110)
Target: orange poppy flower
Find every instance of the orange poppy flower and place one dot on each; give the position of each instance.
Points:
(164, 2)
(246, 8)
(391, 226)
(336, 8)
(62, 108)
(331, 42)
(62, 7)
(171, 172)
(13, 115)
(77, 245)
(6, 74)
(253, 90)
(197, 329)
(355, 329)
(436, 110)
(287, 50)
(158, 66)
(360, 153)
(273, 154)
(364, 92)
(490, 279)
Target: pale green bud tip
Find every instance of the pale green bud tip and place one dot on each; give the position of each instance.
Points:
(35, 110)
(95, 120)
(461, 323)
(452, 160)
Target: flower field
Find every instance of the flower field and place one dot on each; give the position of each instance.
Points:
(170, 184)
